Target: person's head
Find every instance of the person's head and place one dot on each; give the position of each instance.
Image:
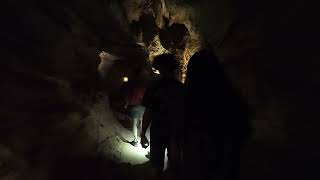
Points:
(204, 64)
(166, 64)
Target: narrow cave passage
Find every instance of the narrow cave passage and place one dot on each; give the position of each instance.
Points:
(64, 65)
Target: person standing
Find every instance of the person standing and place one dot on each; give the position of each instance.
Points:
(164, 103)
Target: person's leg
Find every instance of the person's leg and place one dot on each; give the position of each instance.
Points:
(139, 123)
(134, 113)
(227, 160)
(233, 167)
(174, 156)
(157, 151)
(135, 129)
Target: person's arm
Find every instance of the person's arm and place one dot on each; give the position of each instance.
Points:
(145, 124)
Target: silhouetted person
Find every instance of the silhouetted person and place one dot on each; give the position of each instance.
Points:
(164, 102)
(217, 122)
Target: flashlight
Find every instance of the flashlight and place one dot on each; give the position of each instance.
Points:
(125, 79)
(155, 71)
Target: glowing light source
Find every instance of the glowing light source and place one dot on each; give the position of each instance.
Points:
(125, 79)
(155, 71)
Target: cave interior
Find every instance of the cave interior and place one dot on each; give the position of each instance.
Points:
(64, 62)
